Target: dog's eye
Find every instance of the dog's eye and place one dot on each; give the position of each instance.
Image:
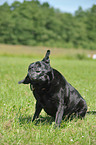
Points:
(30, 67)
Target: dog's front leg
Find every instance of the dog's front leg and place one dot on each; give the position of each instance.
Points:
(37, 111)
(60, 110)
(59, 114)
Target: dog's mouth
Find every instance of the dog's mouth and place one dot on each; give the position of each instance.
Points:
(39, 77)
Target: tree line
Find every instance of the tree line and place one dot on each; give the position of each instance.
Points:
(33, 23)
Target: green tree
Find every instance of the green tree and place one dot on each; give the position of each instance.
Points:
(33, 23)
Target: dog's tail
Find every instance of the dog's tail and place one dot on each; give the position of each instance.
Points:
(46, 58)
(91, 112)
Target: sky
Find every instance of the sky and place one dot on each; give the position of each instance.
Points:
(64, 5)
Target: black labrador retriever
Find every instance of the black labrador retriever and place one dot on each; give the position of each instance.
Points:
(52, 92)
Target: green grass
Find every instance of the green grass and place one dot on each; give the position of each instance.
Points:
(17, 104)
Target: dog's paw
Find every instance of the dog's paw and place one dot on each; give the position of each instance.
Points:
(54, 125)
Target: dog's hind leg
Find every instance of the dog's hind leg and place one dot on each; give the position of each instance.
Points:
(82, 111)
(37, 111)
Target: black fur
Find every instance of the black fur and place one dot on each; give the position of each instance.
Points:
(52, 92)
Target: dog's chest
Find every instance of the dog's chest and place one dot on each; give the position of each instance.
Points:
(48, 102)
(44, 96)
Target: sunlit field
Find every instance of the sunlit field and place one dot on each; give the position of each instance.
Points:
(17, 103)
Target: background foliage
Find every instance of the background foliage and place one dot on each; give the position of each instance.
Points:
(33, 23)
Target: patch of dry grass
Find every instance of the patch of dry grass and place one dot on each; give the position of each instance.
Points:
(36, 51)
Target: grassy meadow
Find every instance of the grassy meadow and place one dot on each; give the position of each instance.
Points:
(17, 103)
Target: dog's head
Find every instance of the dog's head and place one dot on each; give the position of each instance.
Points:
(39, 71)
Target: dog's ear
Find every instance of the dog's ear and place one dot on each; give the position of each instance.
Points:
(25, 81)
(46, 58)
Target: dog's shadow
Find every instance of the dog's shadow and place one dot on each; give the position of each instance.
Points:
(24, 120)
(44, 120)
(40, 120)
